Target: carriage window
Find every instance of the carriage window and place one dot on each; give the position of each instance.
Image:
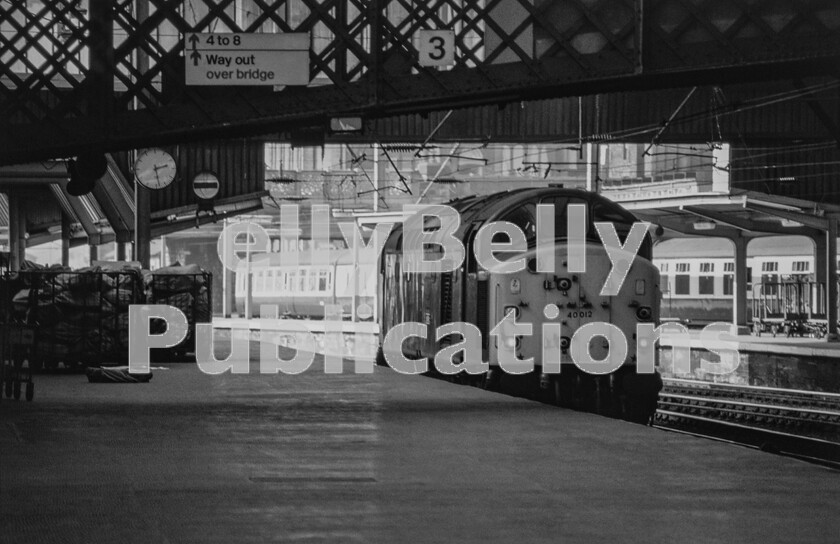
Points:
(769, 280)
(322, 280)
(612, 213)
(313, 280)
(664, 281)
(682, 280)
(302, 282)
(801, 266)
(560, 214)
(431, 223)
(706, 284)
(604, 211)
(279, 278)
(728, 278)
(525, 219)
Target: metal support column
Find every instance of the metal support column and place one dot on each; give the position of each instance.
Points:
(228, 287)
(831, 277)
(820, 256)
(740, 310)
(94, 253)
(249, 283)
(638, 37)
(22, 233)
(66, 234)
(14, 233)
(142, 225)
(101, 54)
(142, 203)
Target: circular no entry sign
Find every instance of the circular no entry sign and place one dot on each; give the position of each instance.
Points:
(206, 185)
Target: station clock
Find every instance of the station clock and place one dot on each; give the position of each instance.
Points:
(154, 168)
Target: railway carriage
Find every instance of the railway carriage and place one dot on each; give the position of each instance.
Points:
(301, 289)
(782, 287)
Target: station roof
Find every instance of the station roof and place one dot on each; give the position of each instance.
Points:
(720, 248)
(738, 213)
(108, 212)
(42, 187)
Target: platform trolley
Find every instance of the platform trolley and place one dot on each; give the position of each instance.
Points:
(192, 293)
(16, 345)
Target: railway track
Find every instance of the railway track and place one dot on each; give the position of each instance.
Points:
(802, 424)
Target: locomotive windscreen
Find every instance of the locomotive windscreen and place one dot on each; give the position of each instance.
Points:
(607, 211)
(601, 210)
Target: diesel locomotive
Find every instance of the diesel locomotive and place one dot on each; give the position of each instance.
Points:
(483, 297)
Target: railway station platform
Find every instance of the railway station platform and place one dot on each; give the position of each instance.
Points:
(767, 343)
(377, 457)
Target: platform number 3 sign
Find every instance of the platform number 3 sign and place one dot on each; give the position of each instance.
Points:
(437, 47)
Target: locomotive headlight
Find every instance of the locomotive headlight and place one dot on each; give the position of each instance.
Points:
(515, 309)
(640, 287)
(510, 342)
(563, 284)
(644, 313)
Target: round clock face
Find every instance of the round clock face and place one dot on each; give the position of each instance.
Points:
(154, 168)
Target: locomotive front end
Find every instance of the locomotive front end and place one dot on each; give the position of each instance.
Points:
(582, 344)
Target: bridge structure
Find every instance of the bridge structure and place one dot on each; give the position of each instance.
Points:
(84, 76)
(81, 78)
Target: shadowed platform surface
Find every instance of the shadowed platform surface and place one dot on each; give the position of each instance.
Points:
(375, 458)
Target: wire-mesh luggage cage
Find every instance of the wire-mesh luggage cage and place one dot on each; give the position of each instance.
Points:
(192, 293)
(16, 340)
(81, 317)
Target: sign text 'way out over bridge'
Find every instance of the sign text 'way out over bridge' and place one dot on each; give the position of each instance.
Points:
(246, 59)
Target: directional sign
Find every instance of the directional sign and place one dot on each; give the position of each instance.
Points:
(206, 185)
(247, 59)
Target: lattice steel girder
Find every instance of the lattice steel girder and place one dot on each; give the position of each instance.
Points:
(63, 59)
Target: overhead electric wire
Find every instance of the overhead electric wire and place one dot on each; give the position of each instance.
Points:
(620, 136)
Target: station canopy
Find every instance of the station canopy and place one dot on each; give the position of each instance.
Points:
(738, 213)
